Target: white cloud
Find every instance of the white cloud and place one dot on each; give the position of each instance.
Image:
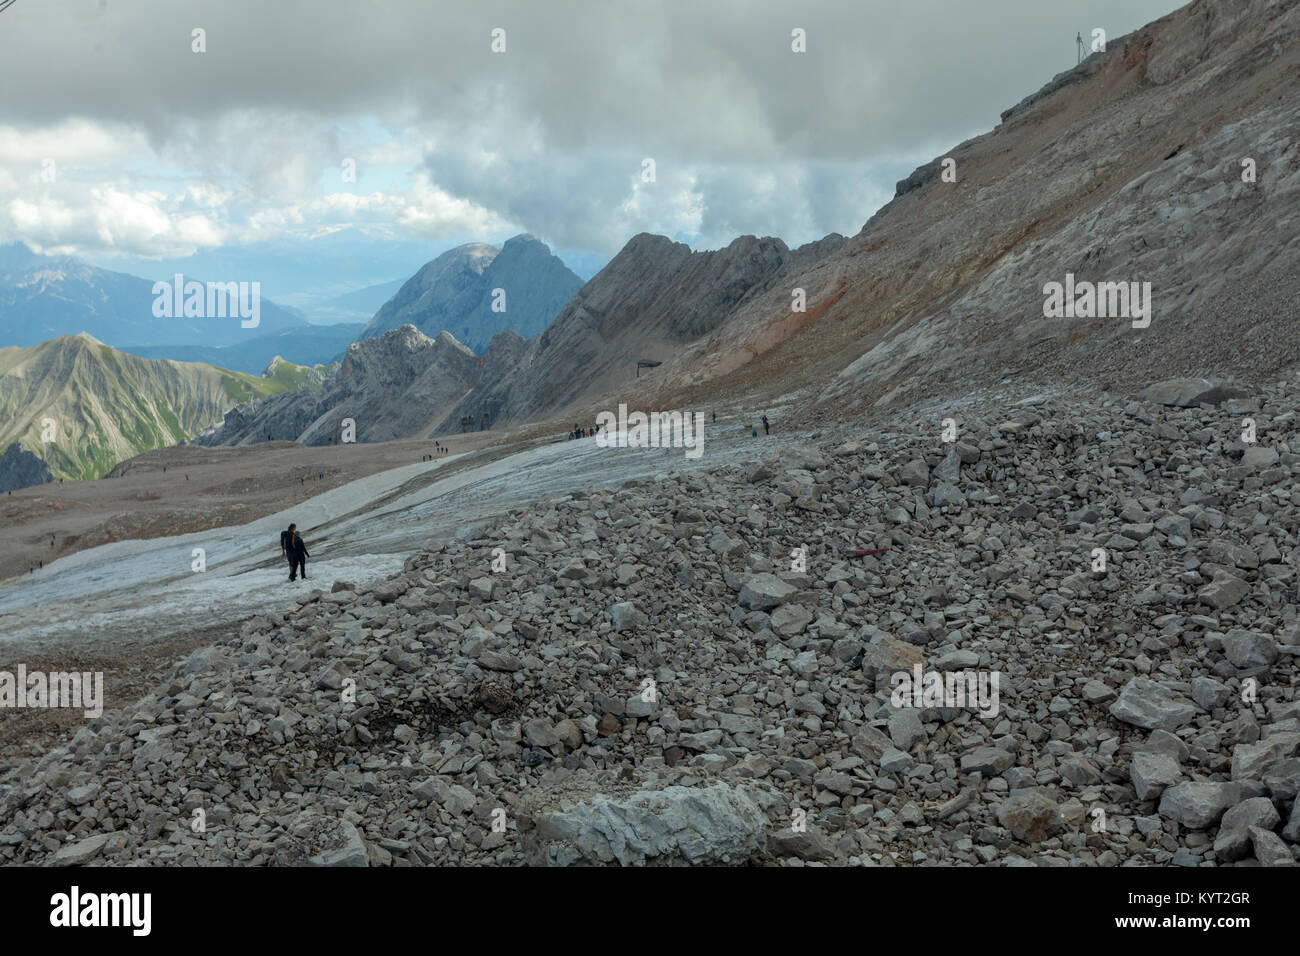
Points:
(245, 142)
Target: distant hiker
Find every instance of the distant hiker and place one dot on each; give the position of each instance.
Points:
(715, 416)
(766, 425)
(753, 431)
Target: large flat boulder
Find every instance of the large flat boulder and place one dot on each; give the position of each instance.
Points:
(717, 824)
(1191, 392)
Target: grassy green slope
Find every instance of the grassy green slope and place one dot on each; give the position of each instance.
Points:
(83, 406)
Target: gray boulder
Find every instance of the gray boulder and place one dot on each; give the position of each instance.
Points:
(1190, 392)
(1199, 804)
(1147, 704)
(695, 825)
(764, 591)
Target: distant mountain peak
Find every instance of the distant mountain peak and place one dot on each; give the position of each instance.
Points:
(475, 291)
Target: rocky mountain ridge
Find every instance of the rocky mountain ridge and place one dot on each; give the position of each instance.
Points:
(397, 385)
(653, 296)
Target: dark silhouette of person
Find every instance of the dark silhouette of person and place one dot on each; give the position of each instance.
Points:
(766, 426)
(715, 416)
(291, 547)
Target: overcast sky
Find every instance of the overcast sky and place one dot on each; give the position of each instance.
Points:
(156, 150)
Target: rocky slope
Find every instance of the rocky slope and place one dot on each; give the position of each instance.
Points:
(398, 385)
(455, 293)
(1126, 168)
(100, 406)
(653, 679)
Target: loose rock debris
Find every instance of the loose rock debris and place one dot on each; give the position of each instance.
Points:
(647, 682)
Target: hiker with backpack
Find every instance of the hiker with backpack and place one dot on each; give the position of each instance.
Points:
(292, 547)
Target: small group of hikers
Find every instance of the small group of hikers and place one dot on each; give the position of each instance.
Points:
(439, 448)
(291, 547)
(767, 426)
(583, 432)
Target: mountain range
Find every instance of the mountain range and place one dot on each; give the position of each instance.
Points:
(653, 296)
(308, 345)
(42, 297)
(1196, 113)
(944, 286)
